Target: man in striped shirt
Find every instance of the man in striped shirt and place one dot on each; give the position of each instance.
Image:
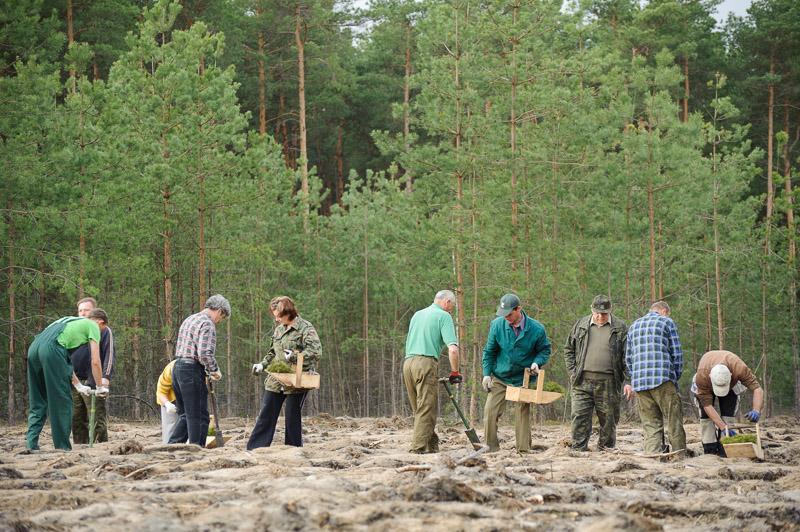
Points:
(655, 363)
(82, 366)
(195, 360)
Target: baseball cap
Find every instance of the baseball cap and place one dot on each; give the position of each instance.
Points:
(720, 380)
(508, 303)
(601, 304)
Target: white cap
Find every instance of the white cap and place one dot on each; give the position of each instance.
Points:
(720, 380)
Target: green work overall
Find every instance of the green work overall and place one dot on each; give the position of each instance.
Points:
(49, 383)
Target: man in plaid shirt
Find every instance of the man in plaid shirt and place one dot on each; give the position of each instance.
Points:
(194, 361)
(655, 363)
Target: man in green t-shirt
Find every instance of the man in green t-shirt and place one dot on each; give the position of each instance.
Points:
(50, 373)
(430, 330)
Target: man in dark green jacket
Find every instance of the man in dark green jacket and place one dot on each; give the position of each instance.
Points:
(595, 357)
(516, 342)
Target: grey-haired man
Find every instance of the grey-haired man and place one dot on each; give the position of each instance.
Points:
(195, 359)
(595, 357)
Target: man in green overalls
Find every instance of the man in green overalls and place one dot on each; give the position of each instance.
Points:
(50, 373)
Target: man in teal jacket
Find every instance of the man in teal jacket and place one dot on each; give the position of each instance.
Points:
(516, 341)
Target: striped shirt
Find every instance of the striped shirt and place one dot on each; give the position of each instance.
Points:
(197, 339)
(654, 352)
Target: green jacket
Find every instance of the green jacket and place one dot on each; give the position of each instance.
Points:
(578, 342)
(300, 337)
(506, 355)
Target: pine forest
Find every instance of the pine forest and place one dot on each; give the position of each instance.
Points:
(360, 157)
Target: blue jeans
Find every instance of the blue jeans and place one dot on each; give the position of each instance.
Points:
(191, 400)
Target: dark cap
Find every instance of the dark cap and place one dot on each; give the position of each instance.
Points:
(508, 303)
(601, 305)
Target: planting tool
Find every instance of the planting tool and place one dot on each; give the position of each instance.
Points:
(218, 441)
(92, 413)
(526, 395)
(470, 432)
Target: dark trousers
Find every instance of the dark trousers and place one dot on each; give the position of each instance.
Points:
(81, 405)
(727, 405)
(191, 400)
(264, 430)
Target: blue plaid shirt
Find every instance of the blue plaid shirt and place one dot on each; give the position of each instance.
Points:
(654, 352)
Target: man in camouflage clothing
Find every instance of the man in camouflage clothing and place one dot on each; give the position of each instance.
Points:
(595, 356)
(293, 335)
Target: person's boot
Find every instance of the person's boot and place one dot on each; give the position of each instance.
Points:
(714, 448)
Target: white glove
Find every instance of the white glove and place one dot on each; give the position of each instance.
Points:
(82, 389)
(287, 354)
(215, 375)
(170, 406)
(257, 368)
(534, 368)
(487, 383)
(105, 382)
(101, 391)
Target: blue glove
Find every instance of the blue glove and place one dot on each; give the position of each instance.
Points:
(731, 432)
(753, 415)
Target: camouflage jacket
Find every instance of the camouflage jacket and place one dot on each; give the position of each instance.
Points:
(578, 342)
(300, 337)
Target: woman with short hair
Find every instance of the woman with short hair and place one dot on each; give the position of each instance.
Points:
(292, 336)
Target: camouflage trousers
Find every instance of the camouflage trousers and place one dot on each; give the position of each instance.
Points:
(661, 412)
(595, 393)
(80, 418)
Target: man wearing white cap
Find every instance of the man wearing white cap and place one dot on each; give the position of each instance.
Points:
(722, 376)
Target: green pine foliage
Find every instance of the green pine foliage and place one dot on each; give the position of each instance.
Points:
(547, 153)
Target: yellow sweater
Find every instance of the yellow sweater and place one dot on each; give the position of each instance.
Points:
(164, 386)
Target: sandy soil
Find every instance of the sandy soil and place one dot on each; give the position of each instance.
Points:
(355, 474)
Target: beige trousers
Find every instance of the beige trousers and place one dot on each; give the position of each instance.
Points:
(419, 376)
(495, 406)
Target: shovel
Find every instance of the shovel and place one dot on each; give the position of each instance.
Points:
(470, 432)
(92, 411)
(217, 431)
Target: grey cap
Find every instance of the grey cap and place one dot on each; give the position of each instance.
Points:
(217, 302)
(507, 304)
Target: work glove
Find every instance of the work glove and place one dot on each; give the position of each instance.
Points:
(101, 391)
(455, 377)
(105, 382)
(215, 375)
(753, 415)
(82, 389)
(487, 383)
(257, 368)
(289, 355)
(721, 434)
(534, 368)
(170, 407)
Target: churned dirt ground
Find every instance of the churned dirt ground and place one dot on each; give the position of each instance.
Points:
(355, 474)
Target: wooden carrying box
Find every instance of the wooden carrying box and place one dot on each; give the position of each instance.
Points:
(526, 395)
(745, 450)
(298, 379)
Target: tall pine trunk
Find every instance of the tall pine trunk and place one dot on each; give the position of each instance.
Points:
(768, 230)
(299, 39)
(791, 259)
(167, 276)
(406, 105)
(12, 310)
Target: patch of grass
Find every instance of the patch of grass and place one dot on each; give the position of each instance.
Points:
(279, 366)
(553, 386)
(739, 438)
